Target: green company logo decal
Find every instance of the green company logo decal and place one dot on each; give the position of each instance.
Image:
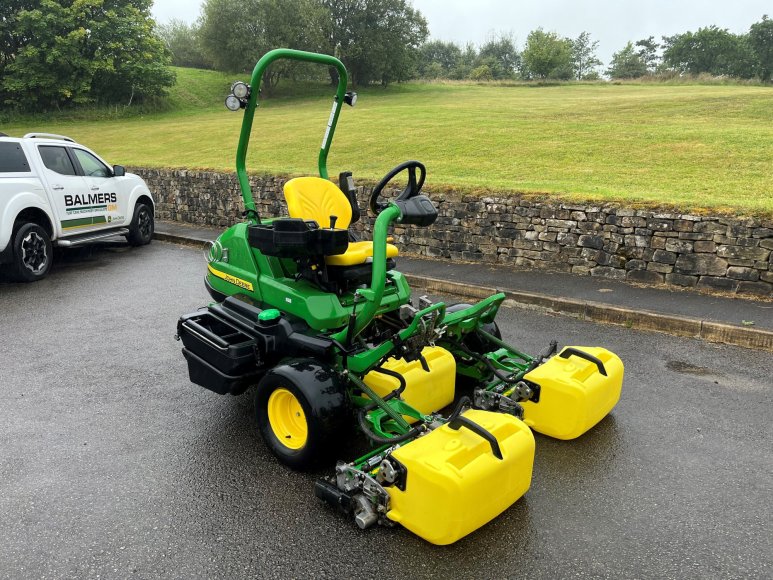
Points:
(83, 222)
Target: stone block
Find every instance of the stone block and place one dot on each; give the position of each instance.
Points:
(679, 246)
(702, 247)
(709, 227)
(681, 280)
(607, 272)
(767, 277)
(636, 265)
(741, 273)
(658, 242)
(589, 227)
(734, 253)
(662, 225)
(607, 259)
(644, 277)
(762, 233)
(758, 288)
(681, 225)
(739, 231)
(718, 283)
(694, 236)
(664, 257)
(767, 244)
(589, 241)
(700, 265)
(583, 270)
(661, 268)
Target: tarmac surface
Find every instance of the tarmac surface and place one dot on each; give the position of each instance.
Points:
(114, 465)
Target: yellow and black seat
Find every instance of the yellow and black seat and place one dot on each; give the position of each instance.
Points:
(320, 200)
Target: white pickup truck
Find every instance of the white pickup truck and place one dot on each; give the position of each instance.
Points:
(55, 191)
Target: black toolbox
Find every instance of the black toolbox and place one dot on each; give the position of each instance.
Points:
(220, 357)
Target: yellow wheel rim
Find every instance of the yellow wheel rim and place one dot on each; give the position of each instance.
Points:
(287, 419)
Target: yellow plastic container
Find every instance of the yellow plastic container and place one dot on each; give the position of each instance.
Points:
(574, 395)
(455, 484)
(425, 391)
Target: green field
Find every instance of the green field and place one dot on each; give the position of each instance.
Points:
(686, 146)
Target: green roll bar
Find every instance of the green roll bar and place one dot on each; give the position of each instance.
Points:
(252, 104)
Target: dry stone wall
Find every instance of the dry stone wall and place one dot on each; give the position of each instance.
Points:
(610, 241)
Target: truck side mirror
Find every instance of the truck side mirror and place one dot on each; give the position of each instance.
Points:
(119, 171)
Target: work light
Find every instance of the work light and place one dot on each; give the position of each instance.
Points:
(233, 103)
(240, 90)
(350, 98)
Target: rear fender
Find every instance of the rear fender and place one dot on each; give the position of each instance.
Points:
(17, 204)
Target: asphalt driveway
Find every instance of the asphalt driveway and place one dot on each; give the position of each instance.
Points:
(113, 465)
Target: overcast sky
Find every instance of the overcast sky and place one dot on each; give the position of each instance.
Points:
(611, 22)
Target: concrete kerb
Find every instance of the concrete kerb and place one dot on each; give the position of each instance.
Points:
(606, 313)
(584, 309)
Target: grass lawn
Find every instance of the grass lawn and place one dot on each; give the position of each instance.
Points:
(688, 146)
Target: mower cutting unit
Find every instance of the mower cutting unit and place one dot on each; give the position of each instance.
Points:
(326, 328)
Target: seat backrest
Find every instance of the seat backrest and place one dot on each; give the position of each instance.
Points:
(314, 198)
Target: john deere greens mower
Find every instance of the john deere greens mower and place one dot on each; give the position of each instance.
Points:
(326, 327)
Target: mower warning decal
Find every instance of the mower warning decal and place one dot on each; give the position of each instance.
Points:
(231, 279)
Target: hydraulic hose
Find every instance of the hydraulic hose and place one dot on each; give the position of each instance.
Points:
(499, 374)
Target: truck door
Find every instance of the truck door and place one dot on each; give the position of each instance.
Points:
(68, 190)
(105, 191)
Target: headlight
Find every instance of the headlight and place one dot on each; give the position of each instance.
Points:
(240, 90)
(233, 103)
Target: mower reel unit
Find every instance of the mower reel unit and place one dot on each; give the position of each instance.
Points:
(325, 326)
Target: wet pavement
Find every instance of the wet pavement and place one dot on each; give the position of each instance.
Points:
(114, 465)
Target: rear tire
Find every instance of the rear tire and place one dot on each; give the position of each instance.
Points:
(32, 252)
(142, 226)
(302, 412)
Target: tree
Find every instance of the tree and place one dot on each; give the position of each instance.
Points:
(377, 40)
(183, 42)
(67, 52)
(547, 55)
(626, 64)
(236, 33)
(500, 56)
(437, 59)
(584, 59)
(711, 50)
(648, 53)
(761, 44)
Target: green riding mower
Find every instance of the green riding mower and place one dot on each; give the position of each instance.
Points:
(326, 327)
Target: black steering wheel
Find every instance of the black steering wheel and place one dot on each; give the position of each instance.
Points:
(411, 190)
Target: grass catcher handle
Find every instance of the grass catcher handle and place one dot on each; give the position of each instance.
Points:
(460, 421)
(569, 351)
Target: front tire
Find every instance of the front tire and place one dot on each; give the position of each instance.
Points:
(142, 226)
(301, 410)
(32, 253)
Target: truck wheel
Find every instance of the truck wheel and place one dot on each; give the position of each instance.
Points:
(142, 226)
(301, 409)
(32, 253)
